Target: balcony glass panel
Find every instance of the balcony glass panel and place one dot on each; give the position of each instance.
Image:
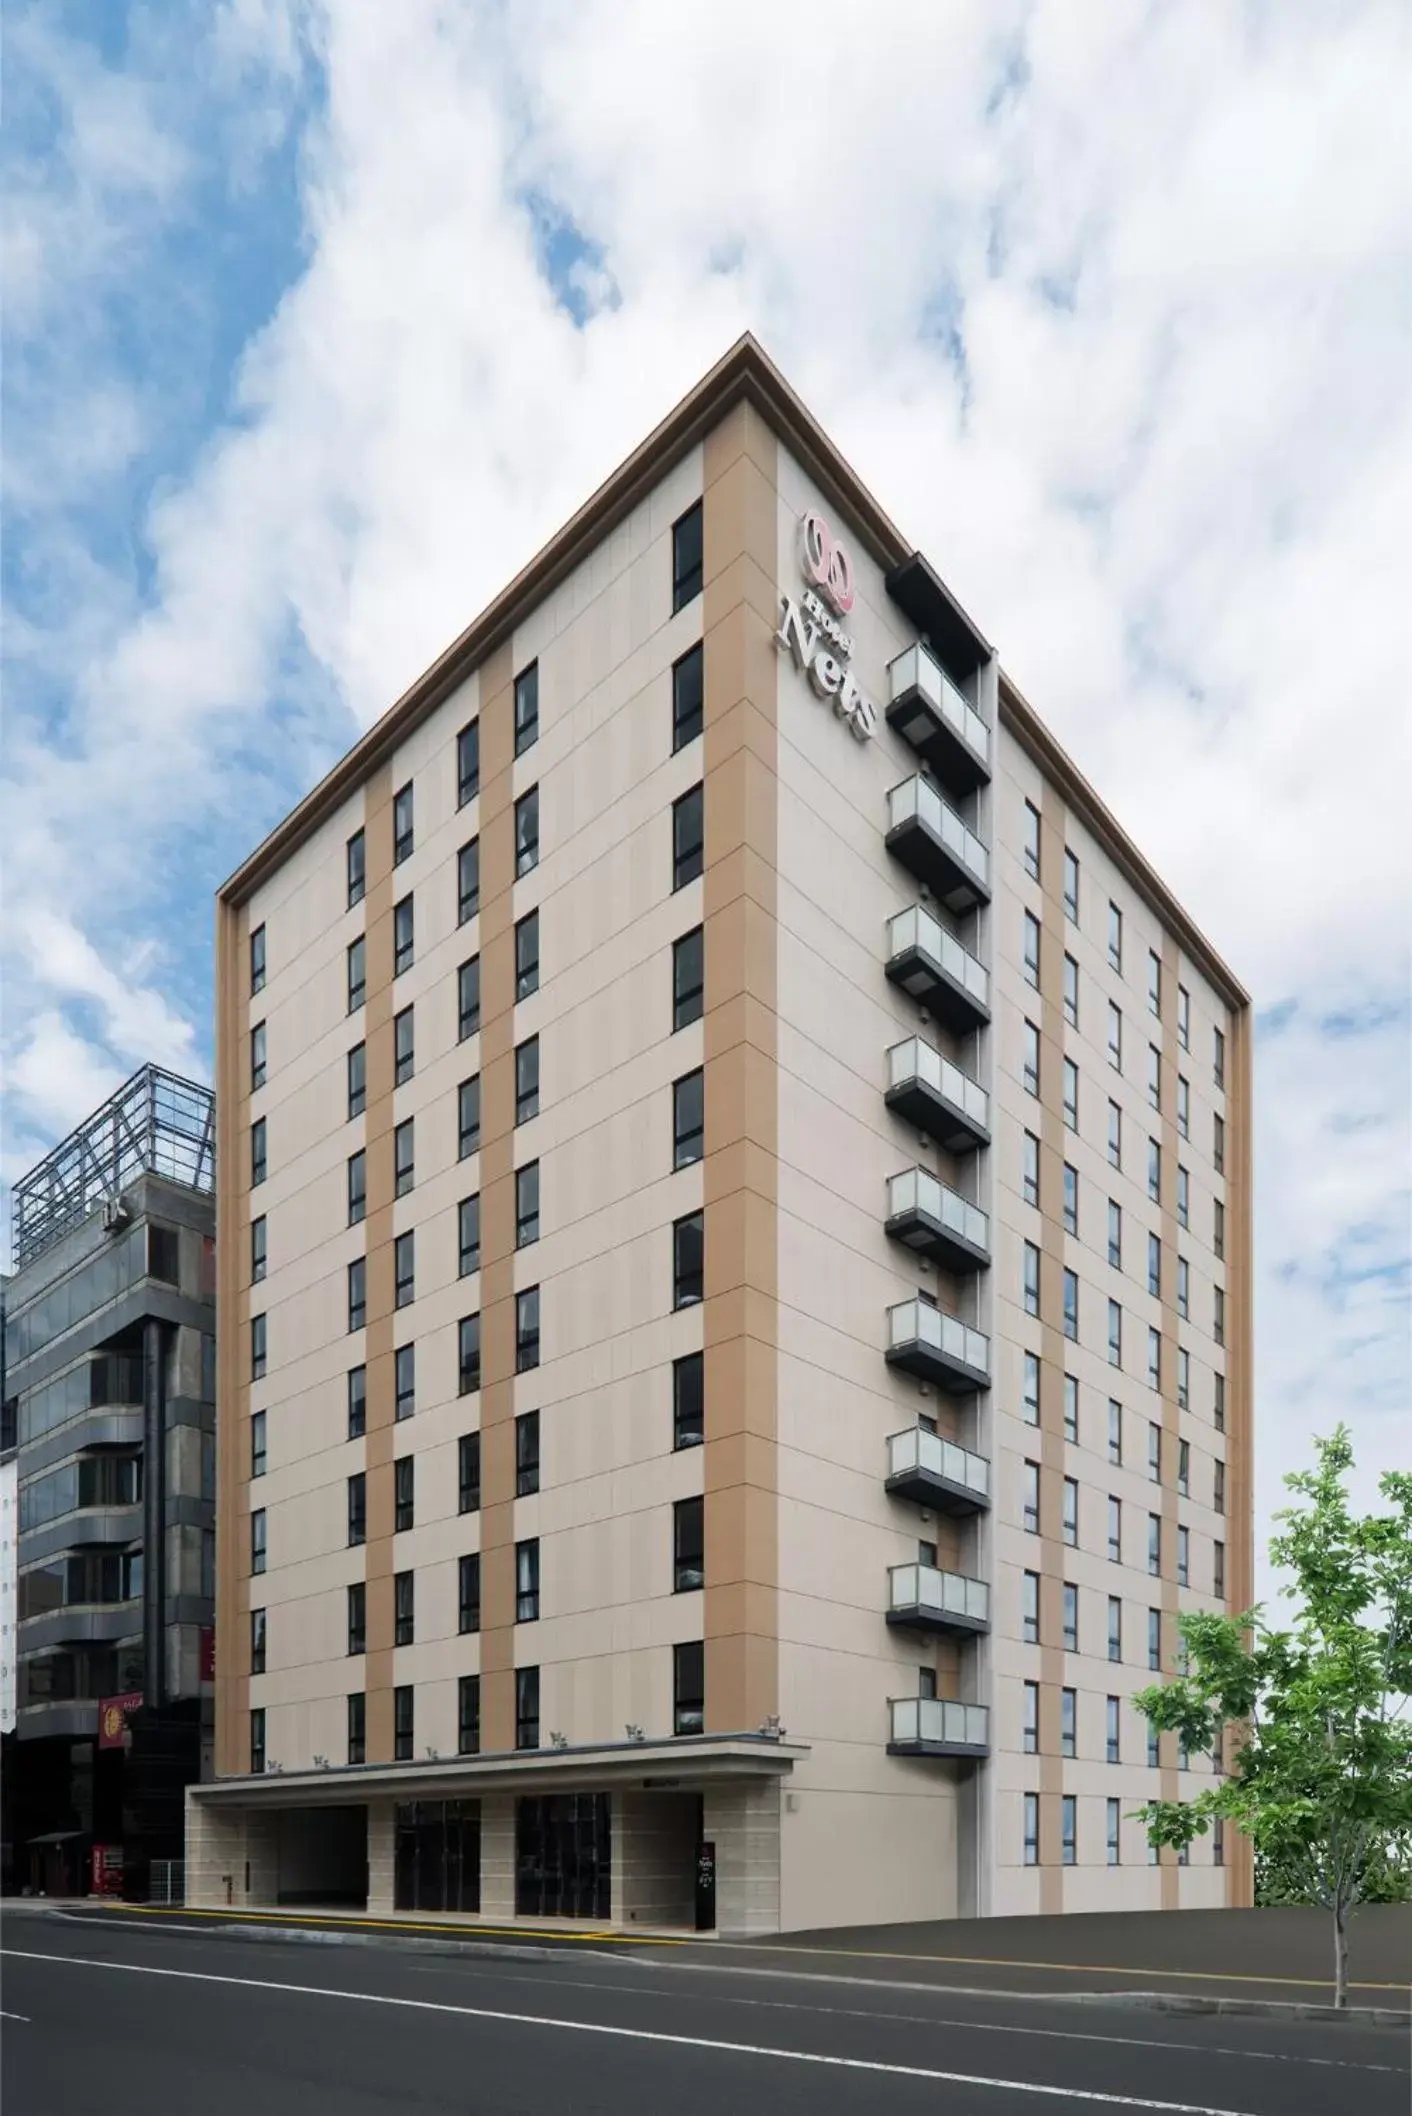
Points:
(917, 1190)
(916, 928)
(914, 797)
(917, 670)
(918, 1449)
(916, 1060)
(939, 1721)
(915, 1322)
(950, 1593)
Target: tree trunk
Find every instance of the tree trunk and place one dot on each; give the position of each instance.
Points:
(1340, 1956)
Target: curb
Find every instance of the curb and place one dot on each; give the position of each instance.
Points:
(322, 1936)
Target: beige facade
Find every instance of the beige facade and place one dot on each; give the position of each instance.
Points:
(802, 1742)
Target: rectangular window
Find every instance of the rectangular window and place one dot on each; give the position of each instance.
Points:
(686, 558)
(1115, 1135)
(468, 1117)
(1218, 1571)
(1115, 1334)
(527, 955)
(1112, 1840)
(1154, 1266)
(1030, 1514)
(468, 1355)
(527, 1581)
(404, 1511)
(357, 1402)
(1218, 1486)
(1115, 1234)
(357, 868)
(1183, 1198)
(1069, 1603)
(403, 936)
(1154, 1358)
(1154, 1762)
(1030, 1738)
(468, 998)
(1071, 991)
(404, 1604)
(689, 1687)
(1154, 1545)
(688, 840)
(1031, 1278)
(1070, 1283)
(468, 1235)
(468, 881)
(1115, 1627)
(1218, 1228)
(527, 1080)
(357, 1187)
(468, 1473)
(1154, 1171)
(1115, 1036)
(1115, 1430)
(1113, 1743)
(688, 1545)
(526, 1454)
(1031, 950)
(1218, 1057)
(358, 1727)
(1031, 1839)
(688, 978)
(527, 1205)
(527, 1330)
(1184, 1468)
(1031, 1058)
(1115, 1530)
(1071, 1408)
(257, 1728)
(357, 1508)
(468, 1716)
(1030, 1168)
(1068, 1829)
(688, 1401)
(1184, 1557)
(259, 1347)
(1154, 1453)
(404, 1368)
(1219, 1404)
(258, 1154)
(1031, 841)
(1183, 1378)
(688, 696)
(1071, 1199)
(257, 1642)
(1183, 1288)
(1184, 1017)
(526, 1708)
(1068, 1724)
(257, 1444)
(1154, 1639)
(402, 1724)
(402, 835)
(1218, 1315)
(257, 961)
(1030, 1398)
(1183, 1106)
(1154, 984)
(259, 1045)
(688, 1260)
(258, 1250)
(527, 832)
(1218, 1842)
(357, 1080)
(404, 1047)
(404, 1266)
(468, 763)
(1154, 1076)
(1071, 1510)
(1029, 1608)
(526, 708)
(1071, 886)
(688, 1119)
(1115, 938)
(1071, 1094)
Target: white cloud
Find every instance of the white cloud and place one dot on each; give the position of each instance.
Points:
(1169, 478)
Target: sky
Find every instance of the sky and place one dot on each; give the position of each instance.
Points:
(320, 318)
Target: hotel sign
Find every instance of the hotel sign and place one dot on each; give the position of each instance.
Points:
(811, 629)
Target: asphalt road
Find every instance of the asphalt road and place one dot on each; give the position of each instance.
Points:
(127, 2018)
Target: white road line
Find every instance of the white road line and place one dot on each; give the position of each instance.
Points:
(641, 2035)
(14, 2016)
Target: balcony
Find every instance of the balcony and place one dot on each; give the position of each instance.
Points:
(932, 842)
(932, 966)
(937, 1348)
(926, 1599)
(935, 1095)
(930, 713)
(936, 1473)
(937, 1222)
(935, 1726)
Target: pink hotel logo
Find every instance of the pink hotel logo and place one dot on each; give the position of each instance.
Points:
(826, 563)
(810, 628)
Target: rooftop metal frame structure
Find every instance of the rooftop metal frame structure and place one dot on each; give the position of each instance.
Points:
(156, 1124)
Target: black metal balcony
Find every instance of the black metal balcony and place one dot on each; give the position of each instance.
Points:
(937, 1348)
(935, 1095)
(937, 1222)
(936, 1473)
(930, 714)
(931, 965)
(937, 1726)
(931, 841)
(926, 1599)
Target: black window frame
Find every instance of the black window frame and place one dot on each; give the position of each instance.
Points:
(468, 1473)
(357, 1402)
(468, 763)
(688, 696)
(468, 881)
(527, 1456)
(259, 1249)
(691, 1226)
(356, 867)
(689, 1118)
(527, 1580)
(404, 1046)
(356, 1619)
(259, 963)
(468, 1594)
(404, 1382)
(689, 1401)
(688, 961)
(259, 1346)
(259, 1153)
(526, 1090)
(404, 1608)
(259, 1056)
(689, 836)
(259, 1443)
(257, 1740)
(527, 1330)
(404, 1723)
(259, 1638)
(468, 1716)
(688, 556)
(358, 1186)
(468, 1354)
(404, 934)
(689, 1687)
(527, 832)
(468, 1235)
(468, 999)
(689, 1545)
(357, 1509)
(404, 1269)
(526, 1708)
(468, 1125)
(526, 708)
(357, 1727)
(357, 1293)
(404, 1157)
(527, 1205)
(404, 834)
(404, 1494)
(356, 1075)
(356, 959)
(527, 963)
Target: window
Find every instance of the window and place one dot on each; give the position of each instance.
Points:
(1154, 1358)
(1154, 1762)
(468, 763)
(1154, 1638)
(1183, 1289)
(1115, 1530)
(688, 1119)
(403, 1047)
(688, 695)
(1154, 984)
(1069, 1602)
(1183, 1106)
(1218, 1842)
(1115, 1234)
(1115, 1135)
(404, 1603)
(1114, 1809)
(1183, 1198)
(404, 1368)
(527, 832)
(1031, 1389)
(527, 1080)
(1031, 1278)
(1154, 1171)
(1031, 950)
(527, 1581)
(1154, 1266)
(1071, 1199)
(1183, 1378)
(1218, 1057)
(527, 1708)
(687, 838)
(468, 998)
(1115, 1627)
(468, 1473)
(258, 1157)
(257, 1642)
(527, 955)
(1070, 1283)
(404, 1511)
(688, 1401)
(357, 1508)
(1218, 1227)
(257, 1727)
(688, 1546)
(258, 1049)
(1031, 1498)
(1115, 1430)
(527, 1330)
(686, 558)
(1115, 937)
(1184, 1557)
(1113, 1732)
(1218, 1409)
(357, 868)
(1218, 1144)
(1029, 1608)
(468, 1593)
(468, 881)
(1115, 1334)
(687, 1260)
(1071, 991)
(404, 1267)
(526, 1454)
(357, 1080)
(1184, 1468)
(402, 836)
(258, 1250)
(1184, 1017)
(1031, 1058)
(1068, 1724)
(1030, 1168)
(357, 1402)
(1068, 1830)
(527, 1205)
(526, 708)
(689, 1687)
(468, 1235)
(1031, 1841)
(468, 1355)
(1071, 1510)
(1030, 1738)
(468, 1117)
(1218, 1571)
(1071, 1094)
(1071, 886)
(357, 1187)
(688, 977)
(403, 937)
(1154, 1076)
(257, 1444)
(402, 1735)
(1154, 1454)
(259, 1347)
(1154, 1544)
(1032, 840)
(1115, 1036)
(1071, 1408)
(257, 961)
(468, 1716)
(357, 973)
(257, 1540)
(1218, 1486)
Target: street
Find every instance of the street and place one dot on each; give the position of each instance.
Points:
(133, 2019)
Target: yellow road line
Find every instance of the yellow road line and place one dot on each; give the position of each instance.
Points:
(327, 1924)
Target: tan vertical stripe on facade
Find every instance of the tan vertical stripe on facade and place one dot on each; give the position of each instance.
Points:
(497, 1201)
(379, 1558)
(741, 1171)
(232, 1337)
(1240, 1383)
(1053, 1360)
(1169, 1233)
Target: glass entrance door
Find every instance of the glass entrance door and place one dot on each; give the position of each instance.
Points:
(564, 1856)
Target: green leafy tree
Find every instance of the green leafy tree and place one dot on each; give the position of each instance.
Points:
(1321, 1775)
